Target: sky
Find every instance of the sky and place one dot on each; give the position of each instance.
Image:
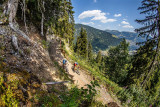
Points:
(108, 14)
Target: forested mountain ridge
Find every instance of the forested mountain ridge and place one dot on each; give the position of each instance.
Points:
(131, 37)
(99, 39)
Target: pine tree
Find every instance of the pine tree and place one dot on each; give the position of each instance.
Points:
(81, 45)
(55, 16)
(99, 57)
(78, 45)
(117, 62)
(151, 47)
(90, 53)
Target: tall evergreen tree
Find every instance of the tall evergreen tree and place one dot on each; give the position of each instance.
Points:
(117, 62)
(90, 53)
(81, 45)
(55, 16)
(99, 57)
(151, 48)
(78, 45)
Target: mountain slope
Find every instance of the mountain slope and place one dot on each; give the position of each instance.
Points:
(100, 40)
(131, 37)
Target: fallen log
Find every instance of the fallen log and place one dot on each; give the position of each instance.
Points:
(51, 83)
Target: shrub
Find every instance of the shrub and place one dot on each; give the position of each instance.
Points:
(7, 96)
(79, 97)
(49, 100)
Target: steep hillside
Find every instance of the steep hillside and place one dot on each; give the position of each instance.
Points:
(131, 37)
(99, 39)
(25, 68)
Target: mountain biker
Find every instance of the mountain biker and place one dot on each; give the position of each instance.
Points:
(75, 64)
(64, 62)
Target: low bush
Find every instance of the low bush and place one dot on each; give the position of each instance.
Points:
(76, 97)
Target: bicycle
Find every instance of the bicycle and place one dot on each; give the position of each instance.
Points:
(66, 68)
(77, 70)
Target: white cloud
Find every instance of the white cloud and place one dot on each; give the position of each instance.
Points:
(124, 22)
(117, 15)
(119, 24)
(124, 19)
(110, 20)
(100, 25)
(97, 15)
(128, 26)
(89, 23)
(95, 1)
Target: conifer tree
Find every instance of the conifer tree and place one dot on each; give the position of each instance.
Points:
(78, 45)
(151, 47)
(90, 53)
(81, 45)
(117, 62)
(55, 16)
(99, 57)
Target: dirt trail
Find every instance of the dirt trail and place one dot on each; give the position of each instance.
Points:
(82, 79)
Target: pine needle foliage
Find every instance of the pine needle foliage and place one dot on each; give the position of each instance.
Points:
(82, 44)
(151, 47)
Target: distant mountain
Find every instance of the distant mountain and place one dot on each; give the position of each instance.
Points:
(100, 39)
(131, 37)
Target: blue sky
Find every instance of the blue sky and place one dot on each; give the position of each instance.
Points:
(108, 14)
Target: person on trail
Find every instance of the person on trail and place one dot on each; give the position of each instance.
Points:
(64, 62)
(75, 64)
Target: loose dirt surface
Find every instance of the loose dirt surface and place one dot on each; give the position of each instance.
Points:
(82, 79)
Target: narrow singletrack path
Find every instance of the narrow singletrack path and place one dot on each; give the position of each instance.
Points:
(82, 79)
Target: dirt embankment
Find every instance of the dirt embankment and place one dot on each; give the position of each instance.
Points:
(30, 66)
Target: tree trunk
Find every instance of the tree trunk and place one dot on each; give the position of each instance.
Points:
(42, 20)
(24, 10)
(11, 12)
(12, 9)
